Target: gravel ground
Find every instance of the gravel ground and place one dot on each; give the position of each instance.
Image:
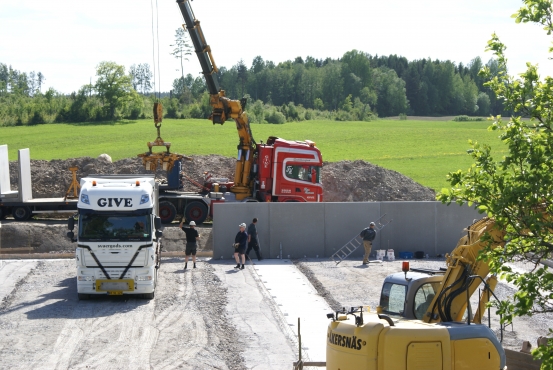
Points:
(43, 325)
(351, 284)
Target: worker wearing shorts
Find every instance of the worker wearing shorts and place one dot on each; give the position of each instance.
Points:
(368, 236)
(240, 243)
(191, 242)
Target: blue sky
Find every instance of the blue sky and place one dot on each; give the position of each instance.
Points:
(66, 39)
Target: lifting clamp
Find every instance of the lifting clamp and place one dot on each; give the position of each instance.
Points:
(166, 159)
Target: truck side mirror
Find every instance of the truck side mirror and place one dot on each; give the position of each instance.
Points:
(159, 233)
(157, 222)
(71, 223)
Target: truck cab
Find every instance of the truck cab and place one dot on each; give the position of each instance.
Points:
(118, 250)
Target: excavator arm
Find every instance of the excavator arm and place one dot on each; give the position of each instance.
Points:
(460, 282)
(223, 108)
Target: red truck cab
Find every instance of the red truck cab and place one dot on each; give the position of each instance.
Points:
(289, 171)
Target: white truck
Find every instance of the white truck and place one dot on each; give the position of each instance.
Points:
(119, 236)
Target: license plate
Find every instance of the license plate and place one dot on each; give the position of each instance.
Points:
(115, 292)
(116, 286)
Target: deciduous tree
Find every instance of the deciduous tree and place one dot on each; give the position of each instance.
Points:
(517, 189)
(113, 86)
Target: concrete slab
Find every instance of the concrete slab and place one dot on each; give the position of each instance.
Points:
(269, 340)
(297, 298)
(11, 272)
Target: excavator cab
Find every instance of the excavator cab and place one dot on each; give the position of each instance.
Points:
(405, 295)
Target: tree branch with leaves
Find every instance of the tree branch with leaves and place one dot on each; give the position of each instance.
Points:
(516, 190)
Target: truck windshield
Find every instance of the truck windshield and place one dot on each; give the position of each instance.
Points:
(114, 226)
(304, 173)
(392, 299)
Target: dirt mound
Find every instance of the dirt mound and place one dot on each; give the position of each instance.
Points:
(345, 181)
(360, 181)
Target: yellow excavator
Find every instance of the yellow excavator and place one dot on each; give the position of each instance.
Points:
(422, 322)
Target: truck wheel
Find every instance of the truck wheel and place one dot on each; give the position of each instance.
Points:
(167, 212)
(195, 211)
(21, 213)
(148, 295)
(2, 214)
(83, 297)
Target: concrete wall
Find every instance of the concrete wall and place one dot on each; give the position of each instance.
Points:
(320, 229)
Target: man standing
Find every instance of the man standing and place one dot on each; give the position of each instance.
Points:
(240, 242)
(192, 237)
(368, 234)
(253, 241)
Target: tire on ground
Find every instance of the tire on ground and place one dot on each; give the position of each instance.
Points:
(167, 212)
(21, 213)
(196, 211)
(3, 213)
(148, 295)
(83, 297)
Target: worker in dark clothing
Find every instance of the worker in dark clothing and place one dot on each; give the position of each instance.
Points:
(240, 242)
(253, 240)
(192, 237)
(368, 234)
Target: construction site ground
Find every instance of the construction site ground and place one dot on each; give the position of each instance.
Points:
(210, 317)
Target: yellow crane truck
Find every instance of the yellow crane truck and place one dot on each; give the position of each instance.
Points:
(419, 322)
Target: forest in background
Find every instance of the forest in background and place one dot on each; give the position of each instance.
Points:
(356, 87)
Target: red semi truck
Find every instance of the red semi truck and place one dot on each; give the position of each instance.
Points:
(276, 171)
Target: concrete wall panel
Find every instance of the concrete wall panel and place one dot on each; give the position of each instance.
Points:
(451, 220)
(320, 229)
(344, 221)
(299, 227)
(225, 226)
(412, 228)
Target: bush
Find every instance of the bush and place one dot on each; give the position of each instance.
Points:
(343, 116)
(196, 111)
(37, 119)
(467, 119)
(402, 117)
(275, 117)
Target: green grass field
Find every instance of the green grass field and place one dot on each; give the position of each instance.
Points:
(423, 150)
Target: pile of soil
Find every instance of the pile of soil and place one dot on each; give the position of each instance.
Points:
(345, 181)
(360, 181)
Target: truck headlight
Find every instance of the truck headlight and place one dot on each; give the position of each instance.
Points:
(144, 198)
(144, 278)
(85, 278)
(84, 198)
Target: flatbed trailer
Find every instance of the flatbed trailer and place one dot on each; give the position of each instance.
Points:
(20, 203)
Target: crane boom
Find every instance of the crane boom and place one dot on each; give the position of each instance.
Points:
(203, 51)
(223, 108)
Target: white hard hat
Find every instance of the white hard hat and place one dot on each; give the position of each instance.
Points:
(192, 223)
(371, 224)
(242, 225)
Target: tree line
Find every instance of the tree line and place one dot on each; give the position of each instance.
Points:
(357, 86)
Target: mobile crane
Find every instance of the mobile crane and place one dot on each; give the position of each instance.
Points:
(277, 171)
(418, 324)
